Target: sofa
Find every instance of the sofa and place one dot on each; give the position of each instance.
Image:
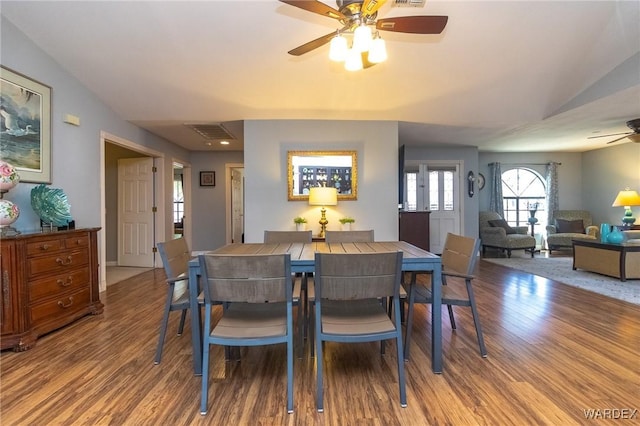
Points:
(631, 236)
(568, 225)
(496, 233)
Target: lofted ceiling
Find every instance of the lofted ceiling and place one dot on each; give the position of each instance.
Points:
(503, 75)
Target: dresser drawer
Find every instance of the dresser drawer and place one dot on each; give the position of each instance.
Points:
(50, 245)
(78, 241)
(60, 307)
(59, 262)
(57, 284)
(57, 243)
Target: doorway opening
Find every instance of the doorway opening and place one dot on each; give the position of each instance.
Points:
(113, 148)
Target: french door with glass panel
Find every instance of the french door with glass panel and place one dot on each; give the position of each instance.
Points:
(439, 192)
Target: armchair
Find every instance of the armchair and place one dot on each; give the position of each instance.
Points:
(504, 237)
(567, 225)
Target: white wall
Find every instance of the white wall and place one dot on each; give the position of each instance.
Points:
(266, 146)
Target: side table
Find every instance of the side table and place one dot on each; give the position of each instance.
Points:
(532, 223)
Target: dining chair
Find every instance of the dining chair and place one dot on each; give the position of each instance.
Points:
(349, 236)
(348, 307)
(459, 258)
(257, 297)
(274, 237)
(301, 282)
(175, 255)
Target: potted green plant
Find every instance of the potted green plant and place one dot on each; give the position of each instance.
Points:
(300, 222)
(347, 223)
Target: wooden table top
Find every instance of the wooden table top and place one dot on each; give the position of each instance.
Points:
(302, 254)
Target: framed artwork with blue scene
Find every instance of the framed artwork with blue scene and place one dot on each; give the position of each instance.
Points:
(25, 126)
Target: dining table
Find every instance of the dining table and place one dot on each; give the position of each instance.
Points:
(414, 259)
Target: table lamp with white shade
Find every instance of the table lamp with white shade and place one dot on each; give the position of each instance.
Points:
(323, 196)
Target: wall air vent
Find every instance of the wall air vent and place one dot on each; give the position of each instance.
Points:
(408, 3)
(211, 131)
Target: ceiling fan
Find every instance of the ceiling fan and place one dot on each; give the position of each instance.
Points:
(354, 13)
(633, 136)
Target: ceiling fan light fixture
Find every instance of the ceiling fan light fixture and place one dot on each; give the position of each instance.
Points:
(378, 50)
(362, 38)
(338, 48)
(353, 61)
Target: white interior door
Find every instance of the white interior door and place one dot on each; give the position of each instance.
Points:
(135, 212)
(237, 204)
(441, 191)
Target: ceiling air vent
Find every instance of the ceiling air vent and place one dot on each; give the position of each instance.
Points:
(408, 3)
(211, 131)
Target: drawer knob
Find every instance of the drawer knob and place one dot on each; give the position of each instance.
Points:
(45, 247)
(66, 261)
(64, 306)
(65, 283)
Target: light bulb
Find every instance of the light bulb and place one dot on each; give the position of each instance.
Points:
(362, 38)
(353, 61)
(378, 51)
(338, 48)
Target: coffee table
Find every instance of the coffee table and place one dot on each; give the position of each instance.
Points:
(615, 260)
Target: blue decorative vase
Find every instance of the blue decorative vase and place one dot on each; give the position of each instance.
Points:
(605, 230)
(615, 236)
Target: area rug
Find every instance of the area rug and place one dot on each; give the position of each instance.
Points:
(561, 269)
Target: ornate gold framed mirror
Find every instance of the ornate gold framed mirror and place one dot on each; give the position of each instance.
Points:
(306, 169)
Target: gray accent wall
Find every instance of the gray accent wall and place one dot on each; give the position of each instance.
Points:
(209, 212)
(266, 146)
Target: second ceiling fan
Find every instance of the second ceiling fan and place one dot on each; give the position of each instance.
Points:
(355, 13)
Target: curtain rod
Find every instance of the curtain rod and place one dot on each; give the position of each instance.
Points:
(526, 164)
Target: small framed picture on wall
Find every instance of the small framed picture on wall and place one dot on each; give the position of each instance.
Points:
(207, 178)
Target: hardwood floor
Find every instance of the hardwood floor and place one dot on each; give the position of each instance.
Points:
(554, 352)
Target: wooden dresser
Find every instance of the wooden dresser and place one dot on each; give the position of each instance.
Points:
(48, 281)
(414, 228)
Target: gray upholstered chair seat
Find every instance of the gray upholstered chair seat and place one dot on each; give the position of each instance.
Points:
(355, 317)
(252, 321)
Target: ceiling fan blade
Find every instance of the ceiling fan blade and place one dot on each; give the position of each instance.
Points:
(316, 7)
(609, 135)
(413, 24)
(369, 7)
(616, 140)
(313, 44)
